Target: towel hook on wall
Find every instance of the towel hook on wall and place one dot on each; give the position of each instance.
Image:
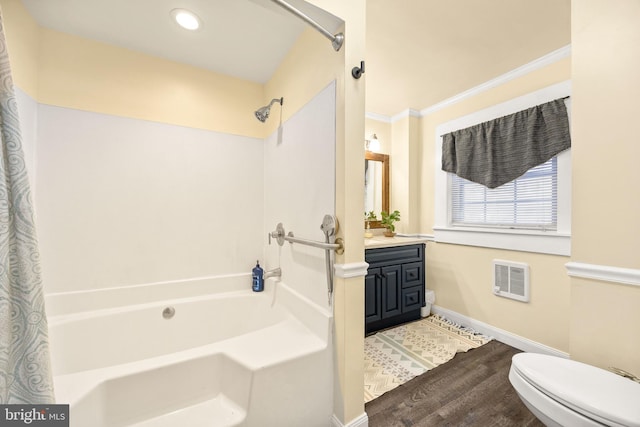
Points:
(357, 72)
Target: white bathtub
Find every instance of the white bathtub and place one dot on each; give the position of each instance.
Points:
(228, 356)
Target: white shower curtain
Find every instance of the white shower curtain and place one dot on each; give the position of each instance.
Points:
(25, 367)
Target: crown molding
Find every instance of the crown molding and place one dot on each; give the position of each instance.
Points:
(378, 117)
(409, 112)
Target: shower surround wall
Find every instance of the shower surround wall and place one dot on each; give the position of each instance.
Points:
(299, 190)
(125, 202)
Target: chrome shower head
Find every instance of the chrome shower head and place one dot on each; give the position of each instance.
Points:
(262, 113)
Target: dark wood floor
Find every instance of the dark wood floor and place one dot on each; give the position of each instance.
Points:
(472, 389)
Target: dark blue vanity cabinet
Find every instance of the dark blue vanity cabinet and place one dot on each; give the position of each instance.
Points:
(394, 286)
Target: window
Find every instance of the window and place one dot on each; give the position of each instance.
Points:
(531, 213)
(529, 202)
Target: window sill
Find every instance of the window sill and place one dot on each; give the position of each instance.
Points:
(544, 242)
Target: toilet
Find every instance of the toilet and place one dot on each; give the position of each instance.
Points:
(567, 393)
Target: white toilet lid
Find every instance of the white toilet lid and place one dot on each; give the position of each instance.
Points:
(595, 393)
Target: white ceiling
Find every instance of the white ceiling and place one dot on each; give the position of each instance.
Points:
(419, 52)
(241, 38)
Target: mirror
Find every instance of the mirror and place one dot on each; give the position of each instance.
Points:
(376, 184)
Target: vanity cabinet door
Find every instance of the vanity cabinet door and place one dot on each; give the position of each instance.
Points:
(372, 295)
(391, 291)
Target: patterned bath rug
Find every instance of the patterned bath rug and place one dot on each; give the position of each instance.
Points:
(394, 356)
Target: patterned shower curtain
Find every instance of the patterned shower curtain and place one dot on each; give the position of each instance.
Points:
(25, 367)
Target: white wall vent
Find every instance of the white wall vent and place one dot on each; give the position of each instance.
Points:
(511, 280)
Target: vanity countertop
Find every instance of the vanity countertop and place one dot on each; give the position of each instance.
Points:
(380, 241)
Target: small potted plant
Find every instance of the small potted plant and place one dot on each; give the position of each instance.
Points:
(387, 222)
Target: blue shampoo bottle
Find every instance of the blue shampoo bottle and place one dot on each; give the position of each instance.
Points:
(258, 278)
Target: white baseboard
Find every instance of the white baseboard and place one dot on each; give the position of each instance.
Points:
(361, 421)
(501, 335)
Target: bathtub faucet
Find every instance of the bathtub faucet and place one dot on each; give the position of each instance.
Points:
(276, 272)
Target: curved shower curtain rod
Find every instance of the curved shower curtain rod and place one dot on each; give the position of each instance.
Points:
(336, 39)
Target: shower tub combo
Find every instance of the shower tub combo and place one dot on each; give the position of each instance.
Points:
(221, 356)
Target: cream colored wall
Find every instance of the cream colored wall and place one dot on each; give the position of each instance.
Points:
(382, 131)
(349, 292)
(461, 276)
(607, 97)
(404, 164)
(92, 76)
(64, 70)
(399, 168)
(23, 40)
(307, 68)
(606, 208)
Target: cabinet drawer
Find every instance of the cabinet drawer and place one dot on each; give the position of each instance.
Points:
(394, 255)
(412, 298)
(412, 274)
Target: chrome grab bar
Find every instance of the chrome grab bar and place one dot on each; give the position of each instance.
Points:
(329, 227)
(280, 237)
(328, 246)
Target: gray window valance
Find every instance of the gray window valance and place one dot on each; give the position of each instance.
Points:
(498, 151)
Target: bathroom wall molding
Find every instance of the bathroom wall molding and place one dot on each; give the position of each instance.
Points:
(501, 335)
(607, 273)
(409, 112)
(361, 421)
(353, 269)
(378, 117)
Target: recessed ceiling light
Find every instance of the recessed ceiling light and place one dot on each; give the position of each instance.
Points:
(186, 19)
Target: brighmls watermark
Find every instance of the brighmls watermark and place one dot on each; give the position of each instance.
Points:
(34, 415)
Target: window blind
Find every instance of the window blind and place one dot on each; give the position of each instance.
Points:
(529, 201)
